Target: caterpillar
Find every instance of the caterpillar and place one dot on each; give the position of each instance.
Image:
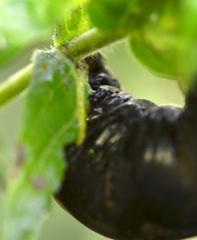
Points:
(135, 175)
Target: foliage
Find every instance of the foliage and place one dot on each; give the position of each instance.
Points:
(118, 13)
(166, 43)
(50, 121)
(73, 25)
(24, 22)
(162, 35)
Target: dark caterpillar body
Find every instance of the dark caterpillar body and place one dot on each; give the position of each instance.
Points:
(135, 175)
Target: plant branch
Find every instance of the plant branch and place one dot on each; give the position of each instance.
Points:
(76, 49)
(87, 43)
(15, 84)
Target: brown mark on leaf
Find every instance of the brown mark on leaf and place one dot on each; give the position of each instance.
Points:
(17, 164)
(38, 183)
(43, 66)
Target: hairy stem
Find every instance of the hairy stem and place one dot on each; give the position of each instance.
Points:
(76, 49)
(87, 43)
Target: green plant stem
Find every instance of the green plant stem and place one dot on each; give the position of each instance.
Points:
(87, 43)
(76, 49)
(15, 84)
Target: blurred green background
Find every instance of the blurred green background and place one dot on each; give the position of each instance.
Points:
(135, 79)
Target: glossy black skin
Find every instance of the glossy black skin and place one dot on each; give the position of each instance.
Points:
(99, 74)
(135, 175)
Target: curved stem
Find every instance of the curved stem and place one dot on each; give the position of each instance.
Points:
(77, 48)
(15, 84)
(87, 43)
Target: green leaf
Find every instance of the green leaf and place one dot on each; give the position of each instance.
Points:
(76, 22)
(188, 37)
(7, 53)
(16, 29)
(51, 120)
(166, 43)
(155, 44)
(157, 58)
(112, 16)
(25, 22)
(13, 30)
(47, 13)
